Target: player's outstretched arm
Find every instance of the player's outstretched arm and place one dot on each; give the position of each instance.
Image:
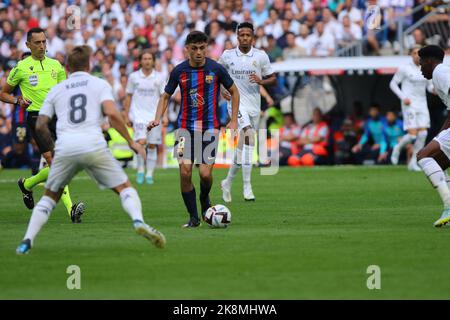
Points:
(117, 122)
(162, 107)
(126, 108)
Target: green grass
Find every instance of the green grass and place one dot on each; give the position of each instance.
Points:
(311, 234)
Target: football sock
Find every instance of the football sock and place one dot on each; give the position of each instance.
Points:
(436, 176)
(190, 202)
(152, 156)
(418, 145)
(65, 198)
(140, 164)
(41, 176)
(420, 141)
(205, 188)
(131, 203)
(237, 160)
(247, 156)
(407, 138)
(39, 217)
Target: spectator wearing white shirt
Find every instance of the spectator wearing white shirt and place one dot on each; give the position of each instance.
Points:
(332, 26)
(353, 12)
(321, 44)
(348, 32)
(54, 43)
(273, 24)
(303, 40)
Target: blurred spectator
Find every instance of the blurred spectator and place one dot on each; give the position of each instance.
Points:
(344, 140)
(373, 146)
(260, 13)
(354, 13)
(274, 52)
(348, 32)
(289, 135)
(313, 143)
(394, 130)
(292, 51)
(321, 44)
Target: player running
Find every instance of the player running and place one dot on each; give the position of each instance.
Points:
(36, 75)
(416, 118)
(80, 103)
(434, 159)
(144, 88)
(250, 68)
(197, 136)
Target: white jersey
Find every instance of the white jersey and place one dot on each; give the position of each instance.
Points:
(240, 66)
(76, 102)
(414, 86)
(145, 93)
(441, 81)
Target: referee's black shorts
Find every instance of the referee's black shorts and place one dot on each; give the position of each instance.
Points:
(31, 122)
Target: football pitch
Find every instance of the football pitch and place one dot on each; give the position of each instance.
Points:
(311, 234)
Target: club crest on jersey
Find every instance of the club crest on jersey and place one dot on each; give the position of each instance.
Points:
(54, 74)
(209, 79)
(33, 79)
(255, 64)
(31, 68)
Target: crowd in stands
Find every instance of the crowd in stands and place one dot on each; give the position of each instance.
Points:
(118, 30)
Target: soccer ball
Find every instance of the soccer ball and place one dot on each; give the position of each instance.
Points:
(218, 216)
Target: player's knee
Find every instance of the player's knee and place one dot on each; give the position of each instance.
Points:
(205, 176)
(423, 153)
(185, 174)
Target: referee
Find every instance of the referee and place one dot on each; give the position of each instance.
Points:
(35, 76)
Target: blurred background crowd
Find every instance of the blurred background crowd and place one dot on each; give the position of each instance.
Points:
(118, 30)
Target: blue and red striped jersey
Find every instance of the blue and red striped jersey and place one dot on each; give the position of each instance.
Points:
(19, 115)
(200, 93)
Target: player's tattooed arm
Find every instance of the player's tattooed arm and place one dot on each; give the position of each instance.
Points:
(43, 131)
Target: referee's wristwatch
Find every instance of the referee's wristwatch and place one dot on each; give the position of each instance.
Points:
(16, 101)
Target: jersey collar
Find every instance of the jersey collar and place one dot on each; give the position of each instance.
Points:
(78, 73)
(239, 53)
(141, 73)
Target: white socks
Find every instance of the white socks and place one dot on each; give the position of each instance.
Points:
(247, 157)
(131, 203)
(436, 176)
(420, 141)
(140, 164)
(418, 145)
(237, 161)
(152, 156)
(406, 139)
(39, 217)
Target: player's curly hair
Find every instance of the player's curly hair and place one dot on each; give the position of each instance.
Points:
(432, 52)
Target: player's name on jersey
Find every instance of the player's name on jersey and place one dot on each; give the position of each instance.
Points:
(77, 84)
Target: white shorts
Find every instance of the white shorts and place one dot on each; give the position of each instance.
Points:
(246, 120)
(414, 119)
(153, 136)
(444, 141)
(100, 165)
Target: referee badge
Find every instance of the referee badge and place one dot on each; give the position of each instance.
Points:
(33, 79)
(209, 79)
(54, 75)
